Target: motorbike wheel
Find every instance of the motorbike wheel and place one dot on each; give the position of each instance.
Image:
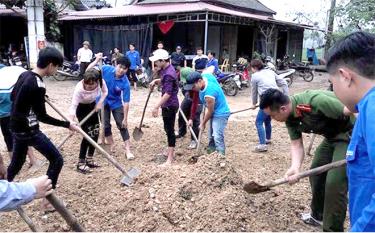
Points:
(230, 88)
(308, 76)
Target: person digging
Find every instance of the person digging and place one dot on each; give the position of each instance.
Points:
(169, 101)
(28, 108)
(318, 112)
(218, 112)
(117, 100)
(191, 107)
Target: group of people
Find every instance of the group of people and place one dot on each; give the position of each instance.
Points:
(85, 56)
(343, 117)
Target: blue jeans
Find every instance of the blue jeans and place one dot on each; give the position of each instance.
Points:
(263, 118)
(216, 133)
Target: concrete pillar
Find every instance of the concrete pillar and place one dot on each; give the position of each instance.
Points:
(206, 33)
(35, 24)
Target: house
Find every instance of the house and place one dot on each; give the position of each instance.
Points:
(9, 20)
(241, 27)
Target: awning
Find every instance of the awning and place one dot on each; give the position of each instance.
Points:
(13, 12)
(165, 9)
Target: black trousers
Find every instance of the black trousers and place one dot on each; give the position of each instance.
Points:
(169, 117)
(5, 129)
(186, 108)
(118, 114)
(91, 127)
(82, 68)
(132, 76)
(42, 144)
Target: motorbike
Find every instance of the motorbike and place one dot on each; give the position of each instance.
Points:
(302, 69)
(242, 76)
(228, 83)
(69, 69)
(13, 59)
(286, 74)
(144, 79)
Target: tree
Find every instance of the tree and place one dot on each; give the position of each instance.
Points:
(269, 33)
(358, 14)
(331, 20)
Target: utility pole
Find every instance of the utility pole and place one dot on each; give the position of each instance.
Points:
(330, 27)
(35, 25)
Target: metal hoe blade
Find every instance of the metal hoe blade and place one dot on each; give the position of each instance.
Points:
(253, 187)
(137, 134)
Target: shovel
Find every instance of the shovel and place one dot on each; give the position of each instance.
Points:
(194, 158)
(253, 187)
(65, 213)
(66, 139)
(28, 221)
(187, 123)
(129, 175)
(137, 133)
(244, 110)
(311, 144)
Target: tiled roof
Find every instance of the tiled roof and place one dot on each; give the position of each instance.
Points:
(254, 5)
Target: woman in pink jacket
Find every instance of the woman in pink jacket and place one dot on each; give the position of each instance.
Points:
(84, 101)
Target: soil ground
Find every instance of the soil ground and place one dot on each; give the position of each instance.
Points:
(183, 197)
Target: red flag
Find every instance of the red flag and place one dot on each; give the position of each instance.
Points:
(165, 26)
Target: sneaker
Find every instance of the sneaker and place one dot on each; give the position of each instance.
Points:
(268, 141)
(193, 145)
(129, 156)
(261, 148)
(310, 220)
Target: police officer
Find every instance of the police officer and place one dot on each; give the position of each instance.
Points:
(318, 112)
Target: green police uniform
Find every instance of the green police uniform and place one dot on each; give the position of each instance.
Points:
(320, 112)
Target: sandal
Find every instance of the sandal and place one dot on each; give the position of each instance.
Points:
(91, 163)
(83, 168)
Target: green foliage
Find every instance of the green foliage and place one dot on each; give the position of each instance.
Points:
(357, 14)
(51, 24)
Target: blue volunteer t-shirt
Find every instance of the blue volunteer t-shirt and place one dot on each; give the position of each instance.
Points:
(118, 88)
(360, 158)
(213, 90)
(134, 58)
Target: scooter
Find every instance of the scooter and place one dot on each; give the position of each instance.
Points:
(302, 69)
(68, 69)
(242, 77)
(287, 74)
(228, 83)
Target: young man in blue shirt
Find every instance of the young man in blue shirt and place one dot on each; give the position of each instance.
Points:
(212, 96)
(212, 61)
(135, 63)
(117, 100)
(351, 65)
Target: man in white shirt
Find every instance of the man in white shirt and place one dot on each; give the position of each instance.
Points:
(200, 61)
(84, 57)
